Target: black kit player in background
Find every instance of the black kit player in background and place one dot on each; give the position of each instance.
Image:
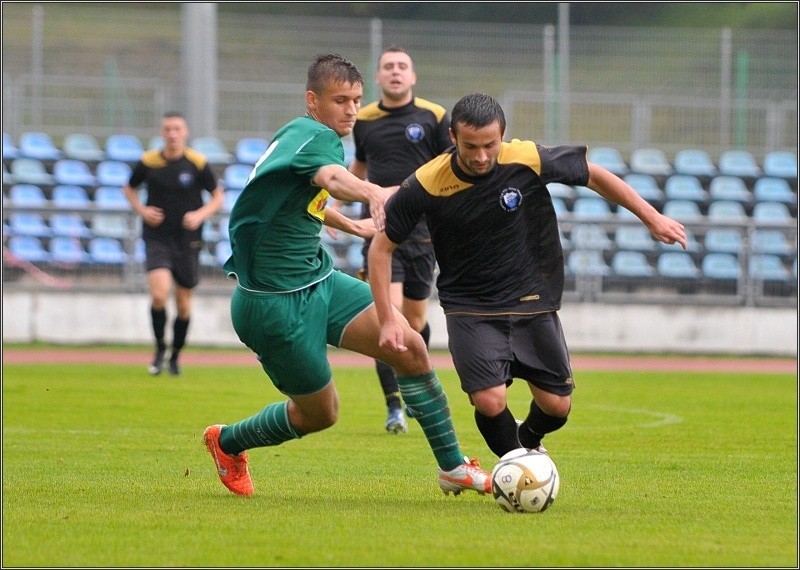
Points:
(173, 216)
(501, 265)
(393, 136)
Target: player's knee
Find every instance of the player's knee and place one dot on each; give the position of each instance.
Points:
(490, 402)
(556, 406)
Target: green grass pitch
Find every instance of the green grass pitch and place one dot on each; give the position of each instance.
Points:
(103, 466)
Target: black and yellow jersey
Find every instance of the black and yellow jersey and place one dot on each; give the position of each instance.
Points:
(495, 236)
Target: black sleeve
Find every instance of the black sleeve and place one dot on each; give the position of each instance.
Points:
(138, 175)
(564, 164)
(404, 209)
(207, 178)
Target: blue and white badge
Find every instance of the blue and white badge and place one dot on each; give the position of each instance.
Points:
(510, 199)
(186, 179)
(415, 132)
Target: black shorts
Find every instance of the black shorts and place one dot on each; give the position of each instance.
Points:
(413, 265)
(490, 350)
(183, 260)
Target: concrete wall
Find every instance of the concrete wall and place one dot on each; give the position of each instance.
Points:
(74, 318)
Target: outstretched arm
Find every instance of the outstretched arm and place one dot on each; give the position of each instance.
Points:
(347, 187)
(379, 259)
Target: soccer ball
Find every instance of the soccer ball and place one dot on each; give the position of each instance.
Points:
(525, 481)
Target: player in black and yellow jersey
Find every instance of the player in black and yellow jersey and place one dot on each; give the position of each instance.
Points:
(501, 266)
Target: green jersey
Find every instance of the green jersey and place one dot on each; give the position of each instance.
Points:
(276, 221)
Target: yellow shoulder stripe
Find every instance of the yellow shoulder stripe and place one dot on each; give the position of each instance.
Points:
(195, 158)
(438, 179)
(153, 159)
(521, 152)
(371, 112)
(437, 110)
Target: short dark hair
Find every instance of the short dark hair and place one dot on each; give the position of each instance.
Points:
(477, 110)
(331, 67)
(394, 49)
(173, 115)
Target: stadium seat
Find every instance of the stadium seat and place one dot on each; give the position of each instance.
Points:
(156, 142)
(559, 206)
(110, 225)
(692, 245)
(38, 145)
(765, 267)
(229, 200)
(647, 187)
(139, 250)
(222, 251)
(27, 196)
(113, 173)
(8, 178)
(723, 240)
(249, 149)
(30, 171)
(105, 250)
(631, 264)
(10, 150)
(349, 150)
(584, 262)
(585, 192)
(694, 162)
(123, 147)
(770, 189)
(207, 258)
(677, 264)
(80, 146)
(726, 210)
(772, 242)
(28, 248)
(590, 236)
(213, 149)
(562, 191)
(609, 158)
(111, 198)
(222, 230)
(74, 172)
(235, 176)
(771, 212)
(354, 256)
(594, 208)
(70, 197)
(740, 163)
(650, 161)
(721, 266)
(730, 188)
(67, 250)
(636, 238)
(779, 163)
(28, 224)
(682, 210)
(69, 225)
(685, 187)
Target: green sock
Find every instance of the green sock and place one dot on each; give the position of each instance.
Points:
(270, 426)
(427, 402)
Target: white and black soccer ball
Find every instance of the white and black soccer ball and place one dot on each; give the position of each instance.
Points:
(525, 481)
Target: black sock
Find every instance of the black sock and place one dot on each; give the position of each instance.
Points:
(537, 425)
(499, 432)
(388, 378)
(159, 320)
(179, 330)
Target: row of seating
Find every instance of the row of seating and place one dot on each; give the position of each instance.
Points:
(697, 162)
(71, 250)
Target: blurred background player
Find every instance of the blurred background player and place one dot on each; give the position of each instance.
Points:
(393, 136)
(176, 177)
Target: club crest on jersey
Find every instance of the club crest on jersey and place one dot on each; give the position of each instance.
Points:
(510, 199)
(185, 178)
(316, 208)
(415, 132)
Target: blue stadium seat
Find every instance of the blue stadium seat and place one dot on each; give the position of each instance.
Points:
(677, 265)
(28, 248)
(249, 149)
(69, 225)
(584, 262)
(207, 258)
(10, 150)
(682, 210)
(766, 267)
(781, 164)
(771, 212)
(235, 176)
(650, 161)
(110, 225)
(67, 250)
(349, 150)
(692, 245)
(38, 145)
(111, 198)
(8, 179)
(27, 196)
(772, 242)
(224, 223)
(726, 210)
(74, 172)
(730, 188)
(28, 224)
(559, 206)
(139, 250)
(723, 240)
(70, 197)
(123, 147)
(694, 162)
(721, 266)
(354, 256)
(631, 264)
(585, 192)
(609, 158)
(80, 146)
(636, 238)
(105, 250)
(685, 187)
(740, 163)
(156, 142)
(113, 173)
(229, 200)
(647, 187)
(590, 236)
(594, 208)
(30, 171)
(770, 189)
(213, 149)
(222, 251)
(562, 191)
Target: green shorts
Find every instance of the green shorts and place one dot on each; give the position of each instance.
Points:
(290, 332)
